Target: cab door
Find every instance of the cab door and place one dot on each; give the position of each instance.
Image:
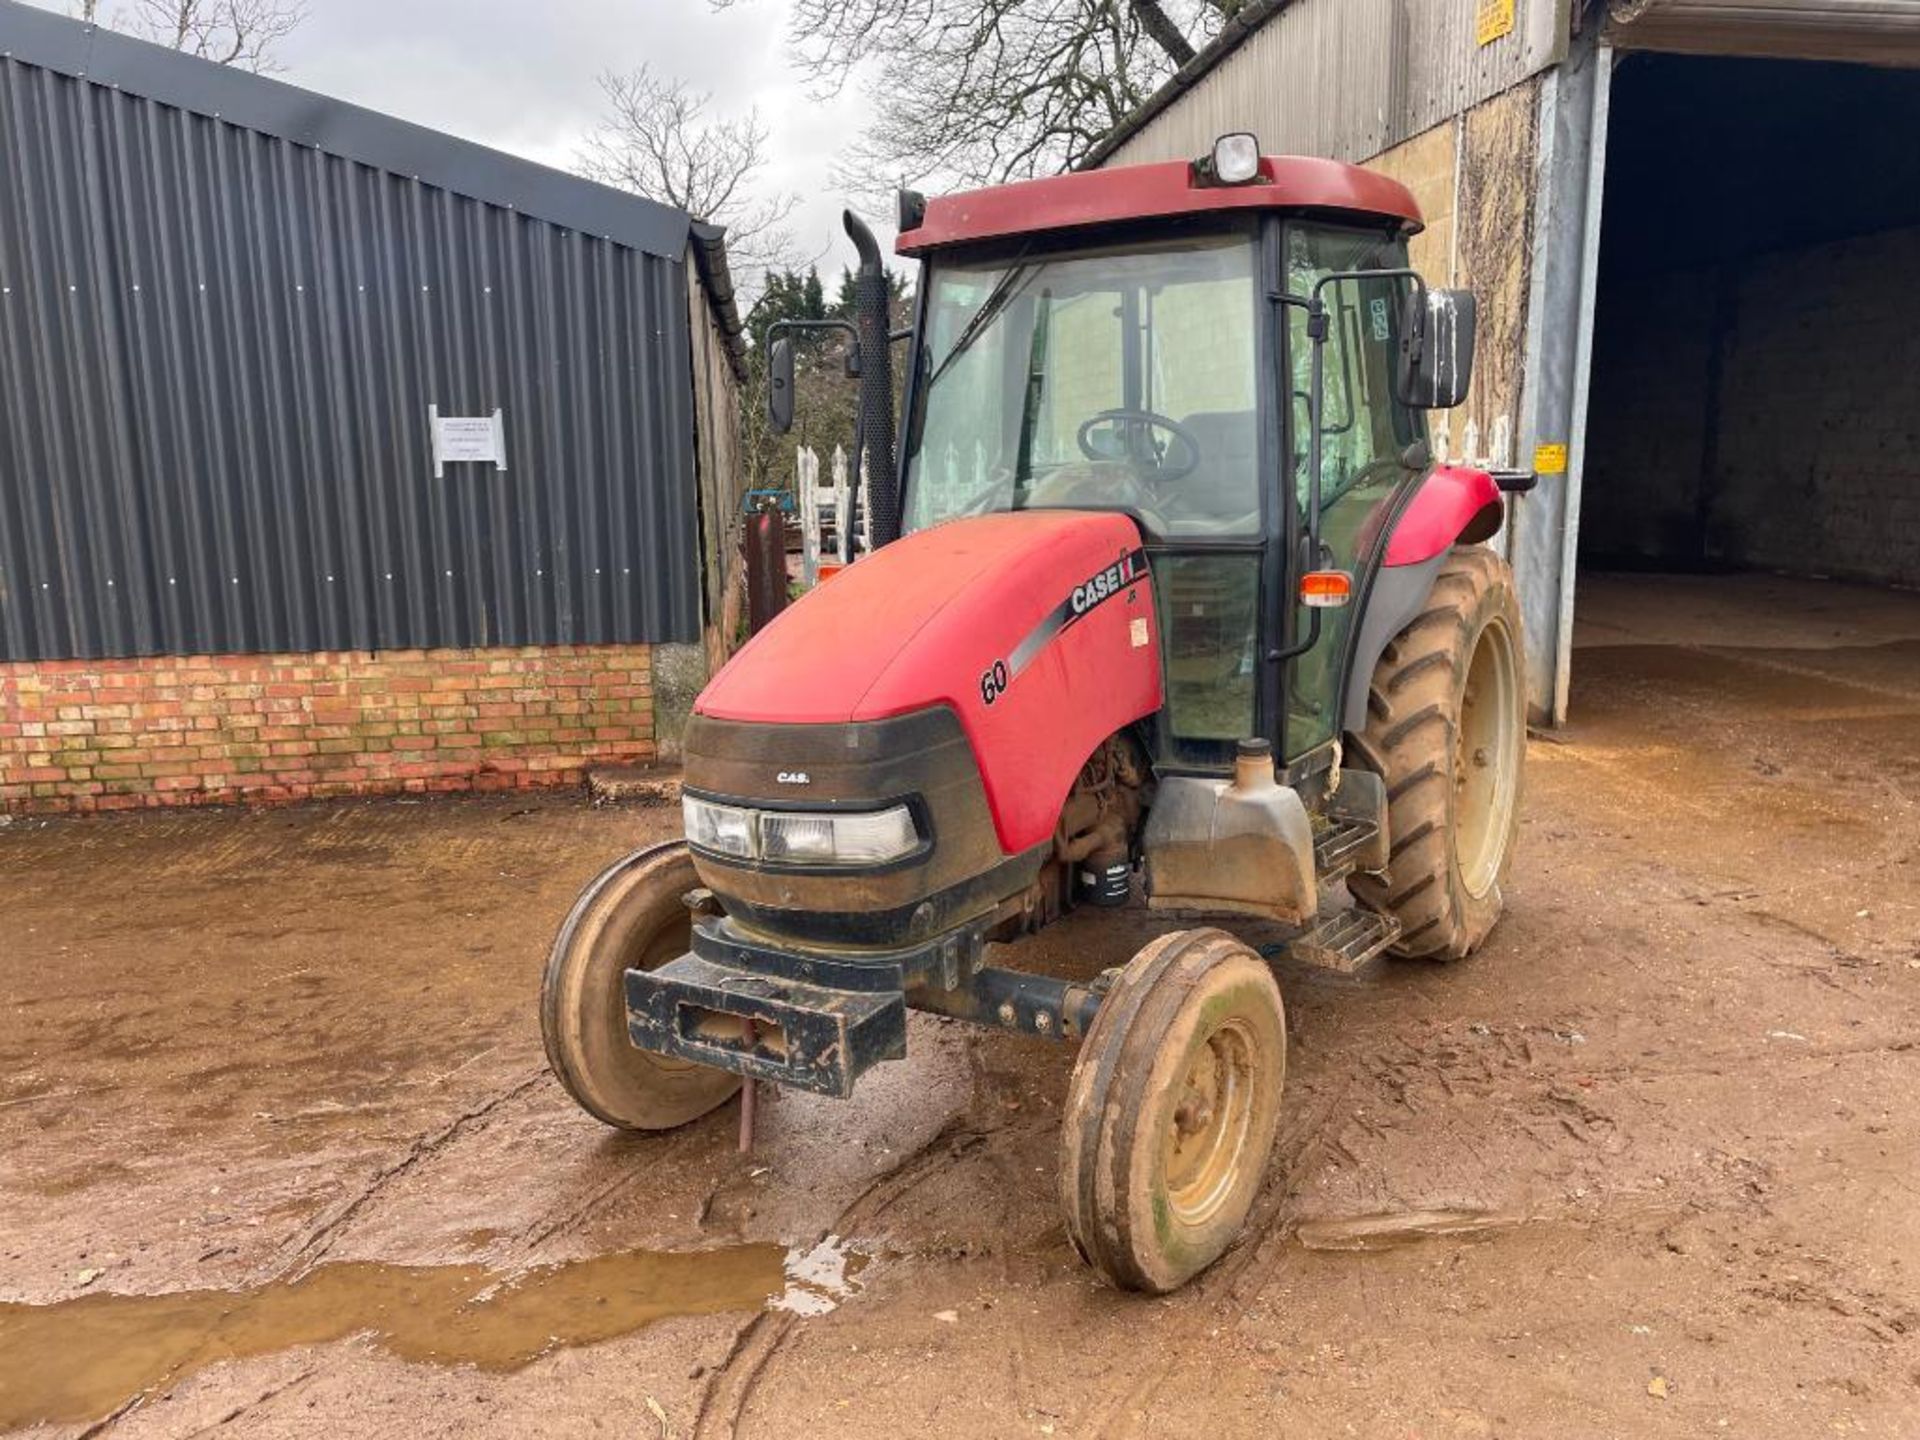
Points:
(1368, 440)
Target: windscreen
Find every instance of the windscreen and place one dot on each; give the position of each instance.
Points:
(1116, 379)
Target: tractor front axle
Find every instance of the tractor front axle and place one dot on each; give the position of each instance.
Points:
(815, 1021)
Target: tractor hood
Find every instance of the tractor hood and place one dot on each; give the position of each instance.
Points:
(1036, 629)
(919, 622)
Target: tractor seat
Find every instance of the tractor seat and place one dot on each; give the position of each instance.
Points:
(1221, 495)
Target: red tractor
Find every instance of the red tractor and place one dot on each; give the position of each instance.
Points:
(1168, 600)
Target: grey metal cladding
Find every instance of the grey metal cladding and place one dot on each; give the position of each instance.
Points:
(1343, 78)
(302, 117)
(217, 350)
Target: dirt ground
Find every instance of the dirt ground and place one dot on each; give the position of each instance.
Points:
(281, 1156)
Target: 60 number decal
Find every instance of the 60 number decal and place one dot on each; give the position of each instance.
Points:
(994, 681)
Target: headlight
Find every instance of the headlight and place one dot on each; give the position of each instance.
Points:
(724, 829)
(800, 837)
(869, 839)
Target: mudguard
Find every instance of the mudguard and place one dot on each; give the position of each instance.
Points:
(1037, 628)
(1454, 505)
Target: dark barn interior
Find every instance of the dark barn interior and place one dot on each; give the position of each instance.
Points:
(1755, 400)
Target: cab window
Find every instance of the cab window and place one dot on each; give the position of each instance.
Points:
(1366, 435)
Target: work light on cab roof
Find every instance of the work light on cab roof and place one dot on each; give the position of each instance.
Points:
(1234, 160)
(1169, 605)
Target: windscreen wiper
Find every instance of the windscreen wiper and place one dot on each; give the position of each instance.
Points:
(1005, 290)
(1036, 383)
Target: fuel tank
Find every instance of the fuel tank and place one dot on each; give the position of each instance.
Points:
(975, 665)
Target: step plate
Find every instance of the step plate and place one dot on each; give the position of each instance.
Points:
(809, 1037)
(1336, 848)
(1344, 940)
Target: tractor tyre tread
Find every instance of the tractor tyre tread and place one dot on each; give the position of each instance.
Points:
(1113, 1187)
(631, 914)
(1413, 713)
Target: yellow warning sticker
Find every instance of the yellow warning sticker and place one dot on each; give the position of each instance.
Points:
(1550, 460)
(1491, 20)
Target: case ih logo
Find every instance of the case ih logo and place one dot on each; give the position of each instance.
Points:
(1129, 570)
(1110, 581)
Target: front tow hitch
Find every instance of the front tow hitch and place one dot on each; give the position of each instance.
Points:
(817, 1022)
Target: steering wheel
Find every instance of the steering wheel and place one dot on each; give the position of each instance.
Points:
(1131, 439)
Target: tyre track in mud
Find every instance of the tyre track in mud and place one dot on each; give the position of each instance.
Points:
(265, 1397)
(1310, 1137)
(1306, 1138)
(730, 1385)
(302, 1253)
(552, 1227)
(1311, 1134)
(1380, 1078)
(728, 1388)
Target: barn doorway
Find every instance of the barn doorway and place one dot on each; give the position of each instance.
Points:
(1755, 401)
(1751, 499)
(1746, 646)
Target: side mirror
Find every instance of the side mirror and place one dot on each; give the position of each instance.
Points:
(1436, 348)
(780, 385)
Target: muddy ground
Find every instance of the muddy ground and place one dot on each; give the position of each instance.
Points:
(291, 1058)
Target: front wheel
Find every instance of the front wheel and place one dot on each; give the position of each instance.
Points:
(1446, 730)
(1172, 1111)
(632, 917)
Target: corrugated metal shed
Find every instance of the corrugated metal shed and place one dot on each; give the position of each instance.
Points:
(1873, 32)
(225, 307)
(1342, 78)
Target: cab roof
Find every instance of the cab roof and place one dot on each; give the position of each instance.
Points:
(1138, 192)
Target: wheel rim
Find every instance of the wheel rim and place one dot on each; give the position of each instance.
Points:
(1206, 1135)
(1486, 760)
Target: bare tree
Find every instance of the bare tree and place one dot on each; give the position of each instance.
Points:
(660, 139)
(228, 32)
(979, 91)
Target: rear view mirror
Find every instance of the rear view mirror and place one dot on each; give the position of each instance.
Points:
(780, 385)
(1436, 348)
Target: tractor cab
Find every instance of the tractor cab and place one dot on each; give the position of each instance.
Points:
(1121, 376)
(1234, 354)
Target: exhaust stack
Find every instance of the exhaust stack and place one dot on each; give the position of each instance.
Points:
(873, 321)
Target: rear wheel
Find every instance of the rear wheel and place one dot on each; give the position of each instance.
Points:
(633, 916)
(1172, 1111)
(1446, 731)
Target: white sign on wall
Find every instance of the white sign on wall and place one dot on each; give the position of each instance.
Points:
(456, 438)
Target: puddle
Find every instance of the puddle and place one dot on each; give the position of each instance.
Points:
(1379, 1232)
(79, 1359)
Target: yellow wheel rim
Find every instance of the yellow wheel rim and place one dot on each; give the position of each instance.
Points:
(1205, 1143)
(1486, 759)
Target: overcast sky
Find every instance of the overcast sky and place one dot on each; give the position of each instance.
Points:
(519, 75)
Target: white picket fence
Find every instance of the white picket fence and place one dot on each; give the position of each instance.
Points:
(823, 512)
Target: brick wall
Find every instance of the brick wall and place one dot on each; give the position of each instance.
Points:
(1804, 457)
(86, 735)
